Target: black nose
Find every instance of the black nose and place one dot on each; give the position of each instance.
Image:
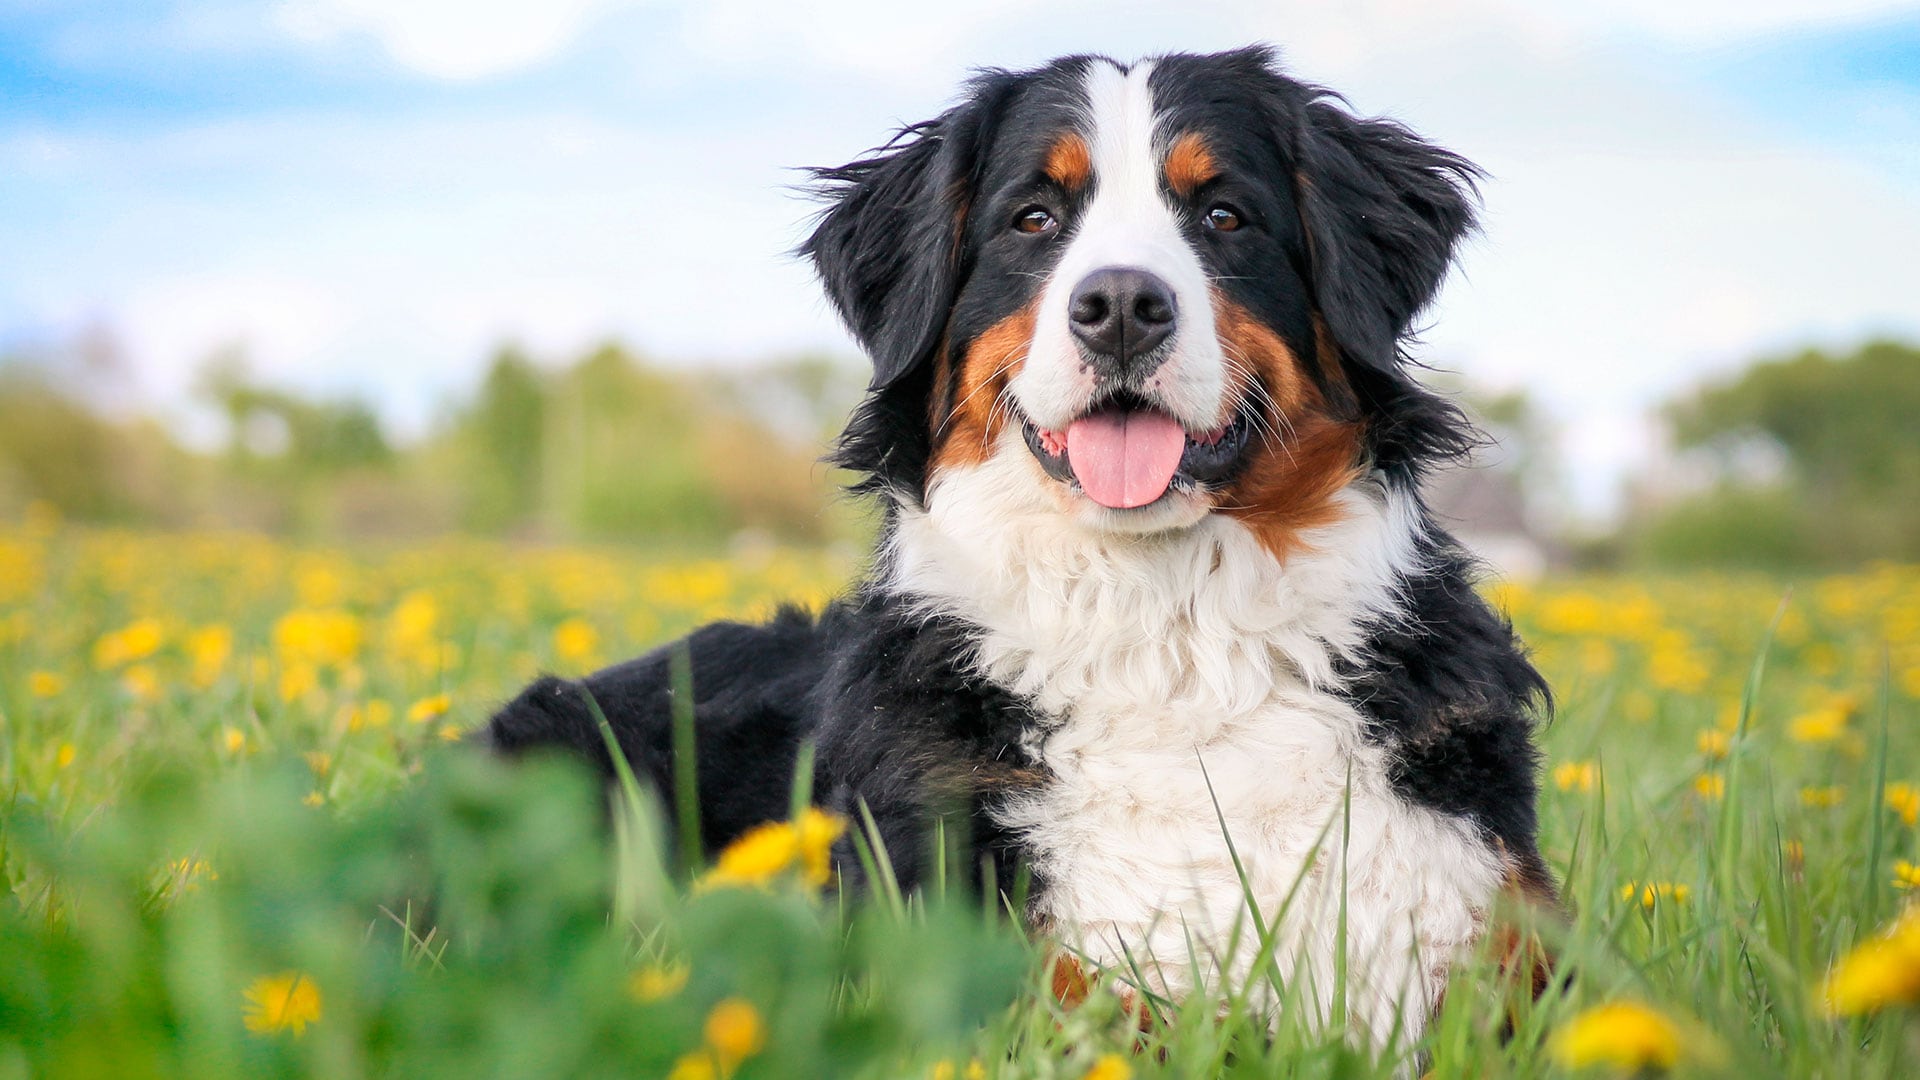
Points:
(1121, 313)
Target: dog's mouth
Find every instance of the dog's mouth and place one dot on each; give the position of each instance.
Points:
(1125, 452)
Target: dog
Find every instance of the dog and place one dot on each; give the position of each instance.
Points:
(1156, 611)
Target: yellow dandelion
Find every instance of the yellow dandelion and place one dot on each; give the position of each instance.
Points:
(412, 630)
(1820, 798)
(656, 982)
(319, 761)
(767, 851)
(1819, 726)
(64, 756)
(756, 858)
(1651, 894)
(429, 708)
(734, 1032)
(313, 798)
(694, 1066)
(1904, 800)
(1624, 1035)
(1906, 875)
(1110, 1067)
(323, 637)
(450, 732)
(944, 1070)
(1710, 786)
(1882, 971)
(818, 831)
(575, 640)
(233, 739)
(287, 1001)
(135, 641)
(1714, 743)
(1576, 776)
(207, 650)
(45, 684)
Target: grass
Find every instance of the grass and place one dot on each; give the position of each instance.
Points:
(230, 808)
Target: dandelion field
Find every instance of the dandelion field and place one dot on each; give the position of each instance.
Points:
(237, 837)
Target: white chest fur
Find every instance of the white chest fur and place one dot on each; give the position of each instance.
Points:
(1168, 665)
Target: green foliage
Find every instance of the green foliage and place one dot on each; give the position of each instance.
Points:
(605, 448)
(1851, 488)
(50, 446)
(118, 963)
(1847, 422)
(1731, 527)
(174, 828)
(55, 450)
(504, 432)
(315, 438)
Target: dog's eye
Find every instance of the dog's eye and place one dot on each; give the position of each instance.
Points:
(1222, 218)
(1036, 220)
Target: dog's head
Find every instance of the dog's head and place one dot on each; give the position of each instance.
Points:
(1170, 289)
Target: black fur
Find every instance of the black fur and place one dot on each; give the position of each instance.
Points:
(900, 728)
(1448, 689)
(1357, 221)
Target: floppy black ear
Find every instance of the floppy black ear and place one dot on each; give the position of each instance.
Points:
(1383, 211)
(887, 249)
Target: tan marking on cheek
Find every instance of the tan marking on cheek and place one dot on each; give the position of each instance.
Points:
(964, 432)
(1069, 162)
(1256, 353)
(1303, 454)
(1189, 164)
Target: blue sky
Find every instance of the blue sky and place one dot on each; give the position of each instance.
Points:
(369, 194)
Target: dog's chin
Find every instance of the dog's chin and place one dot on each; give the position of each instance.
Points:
(1172, 512)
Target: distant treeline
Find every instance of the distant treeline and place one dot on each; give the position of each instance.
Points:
(1806, 460)
(606, 447)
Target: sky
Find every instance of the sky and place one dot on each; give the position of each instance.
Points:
(369, 196)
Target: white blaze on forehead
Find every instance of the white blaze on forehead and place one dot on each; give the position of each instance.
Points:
(1128, 223)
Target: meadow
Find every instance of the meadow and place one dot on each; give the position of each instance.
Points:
(238, 837)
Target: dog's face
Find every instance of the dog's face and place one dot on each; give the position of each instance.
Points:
(1170, 290)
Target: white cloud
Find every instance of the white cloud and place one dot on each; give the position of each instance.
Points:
(283, 322)
(450, 39)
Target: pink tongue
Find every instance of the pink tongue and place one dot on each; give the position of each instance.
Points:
(1125, 459)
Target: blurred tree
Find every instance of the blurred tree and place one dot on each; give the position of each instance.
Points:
(53, 449)
(504, 435)
(289, 452)
(62, 444)
(606, 447)
(309, 437)
(1844, 433)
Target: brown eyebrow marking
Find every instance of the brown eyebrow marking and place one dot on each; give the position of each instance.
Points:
(1189, 164)
(1069, 162)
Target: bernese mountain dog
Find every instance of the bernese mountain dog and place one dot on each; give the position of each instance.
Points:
(1156, 611)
